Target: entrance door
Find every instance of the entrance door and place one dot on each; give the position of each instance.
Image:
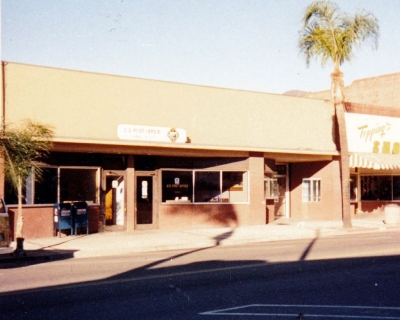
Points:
(115, 200)
(145, 217)
(281, 192)
(119, 202)
(280, 200)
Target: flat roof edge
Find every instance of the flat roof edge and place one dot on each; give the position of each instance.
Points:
(190, 146)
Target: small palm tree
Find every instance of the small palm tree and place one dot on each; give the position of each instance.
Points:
(21, 148)
(330, 35)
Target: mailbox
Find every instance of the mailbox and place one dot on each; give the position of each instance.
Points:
(62, 217)
(81, 216)
(4, 226)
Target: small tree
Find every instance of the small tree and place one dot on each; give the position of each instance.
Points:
(21, 148)
(330, 35)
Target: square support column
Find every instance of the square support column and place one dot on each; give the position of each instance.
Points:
(257, 207)
(130, 194)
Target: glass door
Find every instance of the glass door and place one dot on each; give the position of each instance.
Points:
(115, 200)
(144, 201)
(280, 199)
(282, 191)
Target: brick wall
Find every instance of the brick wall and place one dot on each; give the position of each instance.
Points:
(378, 91)
(38, 221)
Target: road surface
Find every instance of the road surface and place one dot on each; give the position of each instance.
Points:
(346, 277)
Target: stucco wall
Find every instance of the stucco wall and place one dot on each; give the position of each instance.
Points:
(83, 105)
(330, 206)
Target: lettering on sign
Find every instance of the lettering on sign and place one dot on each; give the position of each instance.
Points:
(368, 133)
(372, 133)
(386, 147)
(175, 186)
(148, 133)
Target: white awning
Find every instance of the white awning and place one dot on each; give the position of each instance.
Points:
(376, 161)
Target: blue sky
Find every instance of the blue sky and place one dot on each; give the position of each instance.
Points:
(240, 44)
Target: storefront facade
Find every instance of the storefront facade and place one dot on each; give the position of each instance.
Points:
(374, 145)
(158, 155)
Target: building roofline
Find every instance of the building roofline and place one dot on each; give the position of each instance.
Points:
(353, 107)
(189, 146)
(147, 79)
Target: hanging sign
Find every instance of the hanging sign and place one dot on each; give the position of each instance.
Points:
(148, 133)
(373, 134)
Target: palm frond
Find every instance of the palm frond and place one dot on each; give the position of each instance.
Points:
(329, 35)
(22, 147)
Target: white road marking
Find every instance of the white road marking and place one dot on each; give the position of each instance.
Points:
(310, 311)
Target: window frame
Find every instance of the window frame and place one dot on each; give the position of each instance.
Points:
(311, 195)
(271, 188)
(31, 184)
(219, 200)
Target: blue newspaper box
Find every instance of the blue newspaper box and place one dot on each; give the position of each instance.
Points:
(62, 217)
(4, 227)
(81, 216)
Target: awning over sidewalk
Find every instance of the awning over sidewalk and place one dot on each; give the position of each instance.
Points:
(376, 161)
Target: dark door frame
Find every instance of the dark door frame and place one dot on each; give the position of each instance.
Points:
(155, 201)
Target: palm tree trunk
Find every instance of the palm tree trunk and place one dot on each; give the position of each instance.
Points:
(338, 99)
(20, 223)
(344, 166)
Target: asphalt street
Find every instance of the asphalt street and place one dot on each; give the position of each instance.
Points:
(349, 277)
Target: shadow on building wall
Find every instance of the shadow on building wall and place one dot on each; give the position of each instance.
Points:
(219, 215)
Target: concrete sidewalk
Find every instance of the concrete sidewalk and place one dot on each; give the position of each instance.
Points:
(123, 242)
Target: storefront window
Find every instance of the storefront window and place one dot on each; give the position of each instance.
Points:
(396, 188)
(208, 186)
(58, 184)
(271, 188)
(234, 187)
(177, 186)
(46, 186)
(376, 188)
(78, 184)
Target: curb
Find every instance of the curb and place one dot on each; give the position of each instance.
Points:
(35, 256)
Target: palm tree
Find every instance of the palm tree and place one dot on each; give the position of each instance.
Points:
(21, 148)
(329, 35)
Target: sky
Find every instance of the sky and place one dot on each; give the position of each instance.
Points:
(238, 44)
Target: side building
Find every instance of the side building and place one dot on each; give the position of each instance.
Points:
(382, 91)
(373, 135)
(373, 130)
(150, 154)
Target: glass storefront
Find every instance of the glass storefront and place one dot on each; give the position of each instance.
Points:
(204, 186)
(380, 188)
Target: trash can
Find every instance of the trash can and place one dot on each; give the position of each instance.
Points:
(62, 217)
(4, 226)
(392, 214)
(81, 216)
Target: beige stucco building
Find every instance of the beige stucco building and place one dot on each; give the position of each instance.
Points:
(151, 154)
